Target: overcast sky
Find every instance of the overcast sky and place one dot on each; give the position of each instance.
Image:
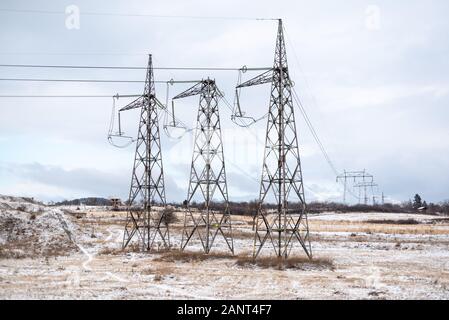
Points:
(373, 76)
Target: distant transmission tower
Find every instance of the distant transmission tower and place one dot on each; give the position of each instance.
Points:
(364, 186)
(281, 173)
(355, 175)
(147, 192)
(207, 175)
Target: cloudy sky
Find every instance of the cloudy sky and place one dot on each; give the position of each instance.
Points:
(373, 76)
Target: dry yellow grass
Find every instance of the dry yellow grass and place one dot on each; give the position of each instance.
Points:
(289, 263)
(188, 256)
(111, 251)
(364, 227)
(245, 260)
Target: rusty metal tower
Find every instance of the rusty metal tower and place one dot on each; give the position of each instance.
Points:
(281, 181)
(207, 175)
(146, 203)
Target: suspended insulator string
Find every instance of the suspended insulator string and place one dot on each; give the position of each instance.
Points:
(122, 146)
(239, 119)
(177, 120)
(111, 122)
(119, 134)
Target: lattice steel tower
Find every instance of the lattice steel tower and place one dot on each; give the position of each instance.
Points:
(207, 175)
(356, 175)
(145, 216)
(281, 180)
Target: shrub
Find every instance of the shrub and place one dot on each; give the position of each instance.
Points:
(168, 216)
(403, 221)
(188, 256)
(289, 263)
(21, 208)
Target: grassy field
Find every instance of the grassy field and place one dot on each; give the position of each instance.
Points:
(356, 256)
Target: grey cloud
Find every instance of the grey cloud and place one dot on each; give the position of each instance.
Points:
(402, 139)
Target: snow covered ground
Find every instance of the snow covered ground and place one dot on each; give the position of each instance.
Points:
(48, 252)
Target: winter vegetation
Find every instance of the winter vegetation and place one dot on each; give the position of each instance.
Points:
(56, 252)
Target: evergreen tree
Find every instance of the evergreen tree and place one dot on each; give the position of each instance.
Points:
(417, 203)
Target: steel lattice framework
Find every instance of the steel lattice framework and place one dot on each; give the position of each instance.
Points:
(281, 174)
(208, 174)
(365, 185)
(146, 204)
(356, 175)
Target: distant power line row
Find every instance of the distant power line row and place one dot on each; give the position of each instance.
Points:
(84, 80)
(62, 96)
(243, 69)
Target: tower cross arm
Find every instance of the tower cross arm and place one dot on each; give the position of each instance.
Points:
(196, 89)
(138, 103)
(265, 77)
(355, 175)
(365, 184)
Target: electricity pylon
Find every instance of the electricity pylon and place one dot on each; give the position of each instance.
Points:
(363, 186)
(207, 175)
(361, 175)
(281, 173)
(147, 191)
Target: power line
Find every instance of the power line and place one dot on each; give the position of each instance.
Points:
(306, 118)
(71, 80)
(64, 96)
(89, 80)
(41, 53)
(310, 126)
(301, 72)
(313, 131)
(244, 68)
(316, 137)
(303, 111)
(71, 53)
(114, 14)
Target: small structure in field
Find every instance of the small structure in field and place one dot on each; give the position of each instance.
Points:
(116, 203)
(423, 209)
